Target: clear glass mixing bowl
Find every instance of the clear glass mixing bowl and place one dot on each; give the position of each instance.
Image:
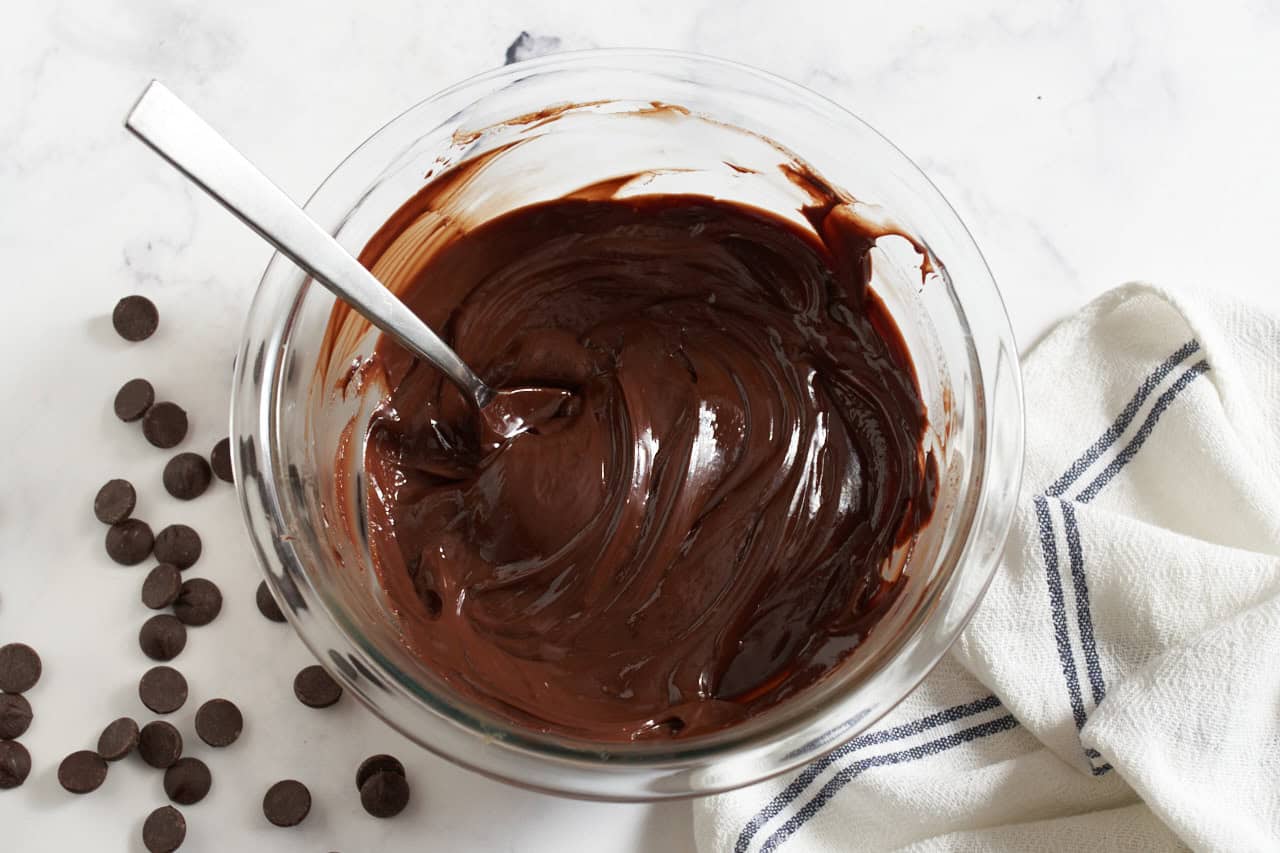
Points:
(584, 117)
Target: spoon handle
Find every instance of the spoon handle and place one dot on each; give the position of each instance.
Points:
(176, 133)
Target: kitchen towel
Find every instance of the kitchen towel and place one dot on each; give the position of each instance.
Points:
(1119, 687)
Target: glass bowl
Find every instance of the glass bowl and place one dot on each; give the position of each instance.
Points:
(582, 117)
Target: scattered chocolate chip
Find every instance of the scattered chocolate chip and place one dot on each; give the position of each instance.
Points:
(178, 545)
(135, 318)
(287, 803)
(15, 764)
(115, 501)
(162, 689)
(219, 722)
(220, 459)
(385, 794)
(377, 764)
(15, 715)
(118, 739)
(133, 399)
(199, 602)
(20, 668)
(164, 830)
(163, 637)
(187, 780)
(165, 425)
(315, 688)
(186, 476)
(162, 586)
(129, 542)
(267, 604)
(82, 772)
(160, 744)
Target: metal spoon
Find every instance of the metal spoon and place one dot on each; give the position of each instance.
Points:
(176, 133)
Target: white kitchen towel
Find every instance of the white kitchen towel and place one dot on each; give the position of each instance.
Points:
(1119, 687)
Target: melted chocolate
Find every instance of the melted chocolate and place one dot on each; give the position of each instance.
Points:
(705, 526)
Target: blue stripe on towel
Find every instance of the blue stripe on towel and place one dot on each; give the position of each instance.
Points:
(789, 794)
(855, 769)
(1117, 428)
(1058, 609)
(1084, 617)
(1153, 417)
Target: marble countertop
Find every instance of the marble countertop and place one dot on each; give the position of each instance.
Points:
(1085, 144)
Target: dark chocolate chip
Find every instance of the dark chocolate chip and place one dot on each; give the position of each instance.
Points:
(385, 794)
(164, 830)
(199, 602)
(377, 764)
(178, 545)
(162, 689)
(135, 318)
(287, 803)
(118, 739)
(115, 501)
(129, 542)
(133, 399)
(220, 459)
(15, 764)
(186, 476)
(219, 722)
(82, 772)
(163, 637)
(187, 781)
(160, 744)
(165, 425)
(15, 715)
(20, 668)
(162, 586)
(267, 604)
(315, 688)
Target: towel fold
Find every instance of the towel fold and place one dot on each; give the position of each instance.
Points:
(1119, 687)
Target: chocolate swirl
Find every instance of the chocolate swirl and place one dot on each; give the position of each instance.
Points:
(704, 528)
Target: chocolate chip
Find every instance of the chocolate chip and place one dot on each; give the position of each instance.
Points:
(162, 586)
(186, 476)
(15, 715)
(162, 689)
(163, 637)
(164, 830)
(165, 425)
(133, 399)
(287, 803)
(220, 459)
(377, 764)
(199, 602)
(187, 781)
(315, 688)
(20, 668)
(115, 501)
(267, 604)
(82, 772)
(178, 545)
(385, 794)
(118, 739)
(135, 318)
(129, 542)
(219, 722)
(160, 744)
(15, 764)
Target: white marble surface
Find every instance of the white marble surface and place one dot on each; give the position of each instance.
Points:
(1085, 144)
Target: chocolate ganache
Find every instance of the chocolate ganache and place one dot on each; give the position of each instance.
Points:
(703, 528)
